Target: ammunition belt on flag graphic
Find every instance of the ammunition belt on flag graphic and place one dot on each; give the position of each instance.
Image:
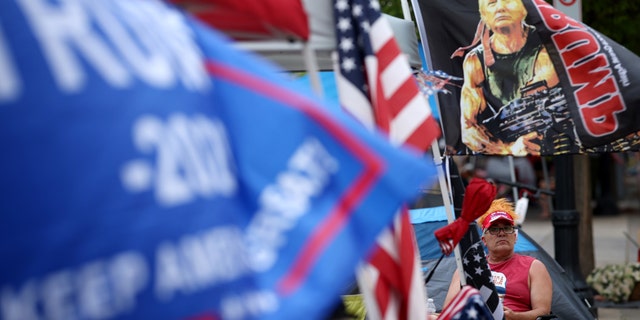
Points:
(544, 111)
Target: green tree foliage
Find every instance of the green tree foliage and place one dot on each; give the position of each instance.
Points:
(392, 7)
(617, 20)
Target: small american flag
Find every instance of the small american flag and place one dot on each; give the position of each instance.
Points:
(478, 275)
(466, 305)
(376, 86)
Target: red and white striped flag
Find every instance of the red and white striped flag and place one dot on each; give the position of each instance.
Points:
(375, 82)
(391, 281)
(376, 86)
(467, 305)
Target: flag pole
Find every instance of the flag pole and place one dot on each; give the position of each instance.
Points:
(435, 149)
(311, 64)
(448, 207)
(406, 11)
(512, 174)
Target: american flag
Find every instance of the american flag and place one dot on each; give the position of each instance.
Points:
(391, 281)
(375, 81)
(466, 305)
(376, 86)
(478, 275)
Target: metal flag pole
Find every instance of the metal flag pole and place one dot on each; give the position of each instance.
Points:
(435, 149)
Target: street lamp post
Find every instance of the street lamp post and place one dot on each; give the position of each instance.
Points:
(565, 219)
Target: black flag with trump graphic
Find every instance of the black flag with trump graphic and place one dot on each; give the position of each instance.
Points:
(534, 81)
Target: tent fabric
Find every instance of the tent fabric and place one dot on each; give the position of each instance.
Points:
(256, 20)
(432, 214)
(329, 89)
(322, 40)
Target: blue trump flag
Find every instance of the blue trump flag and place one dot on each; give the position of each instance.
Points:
(149, 170)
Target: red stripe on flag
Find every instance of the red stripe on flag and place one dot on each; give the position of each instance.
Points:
(458, 302)
(425, 134)
(401, 97)
(372, 168)
(408, 250)
(385, 265)
(387, 53)
(381, 109)
(396, 274)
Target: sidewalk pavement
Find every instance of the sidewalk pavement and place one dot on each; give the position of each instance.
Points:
(611, 246)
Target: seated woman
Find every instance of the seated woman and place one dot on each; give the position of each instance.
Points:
(522, 281)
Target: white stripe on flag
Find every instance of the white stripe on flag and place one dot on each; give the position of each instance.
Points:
(352, 100)
(409, 118)
(367, 276)
(383, 33)
(395, 75)
(388, 242)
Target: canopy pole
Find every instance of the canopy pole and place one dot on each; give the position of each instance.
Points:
(512, 173)
(311, 65)
(406, 11)
(447, 202)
